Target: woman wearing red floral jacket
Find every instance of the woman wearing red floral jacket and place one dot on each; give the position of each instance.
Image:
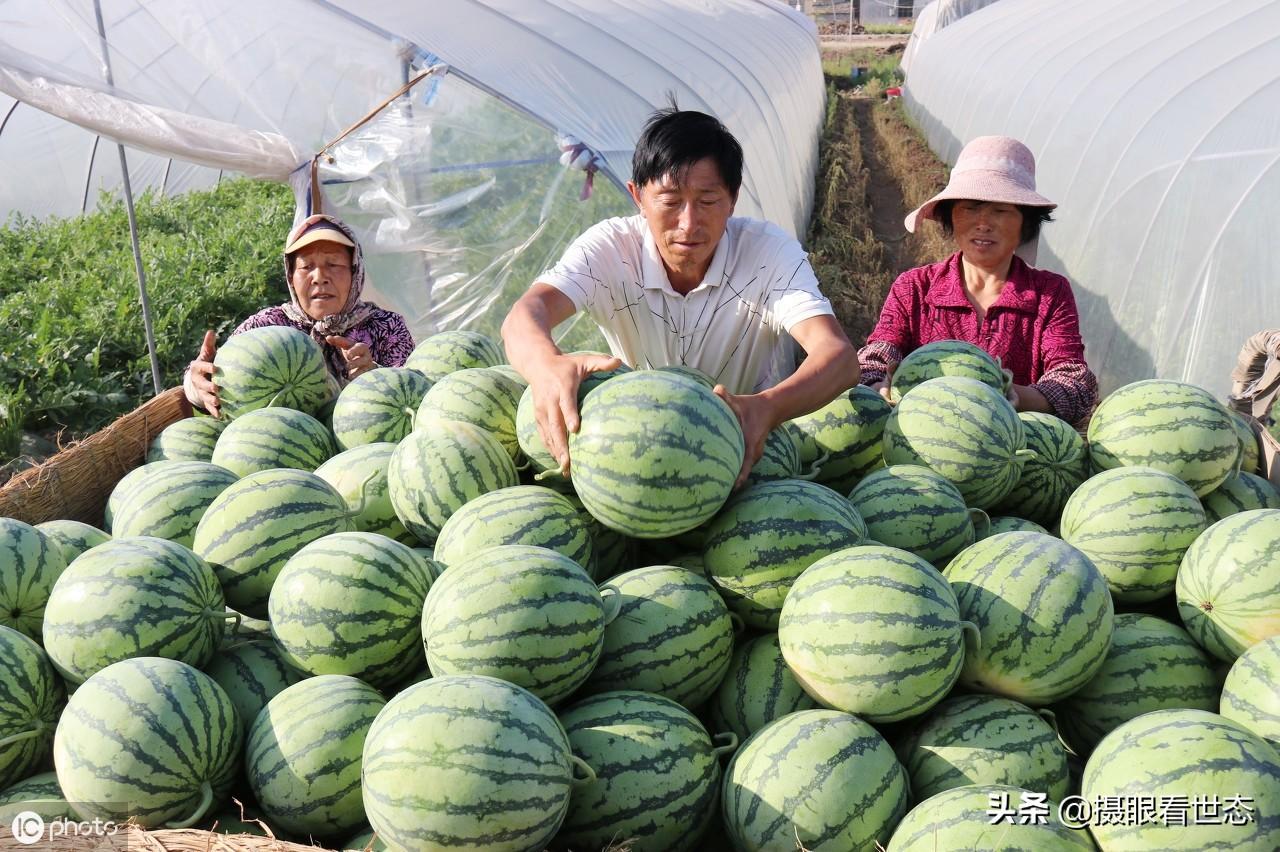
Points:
(985, 295)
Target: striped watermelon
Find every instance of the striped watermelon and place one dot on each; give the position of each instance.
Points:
(168, 503)
(271, 366)
(39, 794)
(31, 697)
(1043, 612)
(613, 551)
(366, 841)
(148, 738)
(259, 522)
(767, 535)
(657, 774)
(1060, 464)
(914, 509)
(274, 437)
(500, 768)
(1189, 754)
(656, 453)
(511, 373)
(946, 358)
(818, 779)
(484, 398)
(780, 458)
(843, 438)
(349, 604)
(1134, 524)
(531, 444)
(436, 470)
(1010, 524)
(251, 673)
(1239, 492)
(449, 351)
(30, 564)
(378, 406)
(757, 689)
(874, 631)
(522, 514)
(961, 820)
(190, 439)
(963, 430)
(302, 756)
(984, 739)
(1171, 426)
(1229, 584)
(119, 495)
(1152, 665)
(133, 597)
(528, 615)
(672, 636)
(1249, 454)
(368, 499)
(72, 537)
(1250, 695)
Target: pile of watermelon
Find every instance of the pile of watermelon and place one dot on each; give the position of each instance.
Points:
(388, 619)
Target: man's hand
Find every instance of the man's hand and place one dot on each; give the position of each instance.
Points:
(201, 372)
(357, 355)
(555, 398)
(756, 415)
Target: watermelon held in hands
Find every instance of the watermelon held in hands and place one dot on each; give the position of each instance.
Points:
(271, 366)
(657, 453)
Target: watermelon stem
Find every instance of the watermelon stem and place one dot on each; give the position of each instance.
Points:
(612, 602)
(206, 799)
(739, 626)
(579, 763)
(981, 523)
(547, 474)
(23, 735)
(973, 636)
(364, 494)
(815, 468)
(228, 616)
(1023, 456)
(1052, 719)
(730, 743)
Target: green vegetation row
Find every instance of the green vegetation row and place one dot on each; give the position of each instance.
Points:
(73, 353)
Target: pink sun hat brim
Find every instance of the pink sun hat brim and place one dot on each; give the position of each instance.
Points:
(990, 168)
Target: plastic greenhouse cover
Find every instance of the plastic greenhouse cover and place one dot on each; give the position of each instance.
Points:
(1154, 129)
(937, 15)
(457, 189)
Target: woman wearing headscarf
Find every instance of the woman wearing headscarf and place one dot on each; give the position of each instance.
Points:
(324, 266)
(984, 294)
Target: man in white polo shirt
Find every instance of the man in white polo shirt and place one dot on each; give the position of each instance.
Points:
(684, 283)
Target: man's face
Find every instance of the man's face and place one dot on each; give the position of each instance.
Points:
(687, 214)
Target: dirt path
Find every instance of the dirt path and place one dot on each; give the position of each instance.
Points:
(884, 194)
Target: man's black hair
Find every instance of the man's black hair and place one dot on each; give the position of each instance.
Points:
(675, 139)
(1032, 219)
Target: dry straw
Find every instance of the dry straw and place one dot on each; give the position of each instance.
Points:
(75, 483)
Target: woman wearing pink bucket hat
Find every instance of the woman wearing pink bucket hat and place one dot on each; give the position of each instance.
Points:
(984, 294)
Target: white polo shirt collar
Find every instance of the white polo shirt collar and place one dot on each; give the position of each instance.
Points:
(655, 274)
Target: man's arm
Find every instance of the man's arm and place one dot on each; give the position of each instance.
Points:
(830, 366)
(553, 377)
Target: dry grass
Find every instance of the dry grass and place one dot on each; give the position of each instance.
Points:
(846, 256)
(918, 173)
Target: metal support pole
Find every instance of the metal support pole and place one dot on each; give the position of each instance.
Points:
(133, 219)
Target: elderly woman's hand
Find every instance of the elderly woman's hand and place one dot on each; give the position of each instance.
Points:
(200, 390)
(357, 355)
